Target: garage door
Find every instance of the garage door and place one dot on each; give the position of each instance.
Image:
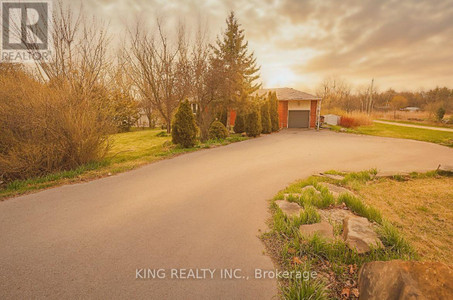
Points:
(298, 118)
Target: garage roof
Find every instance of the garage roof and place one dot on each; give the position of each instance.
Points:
(288, 94)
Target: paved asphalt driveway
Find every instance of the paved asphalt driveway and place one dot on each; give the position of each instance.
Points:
(199, 210)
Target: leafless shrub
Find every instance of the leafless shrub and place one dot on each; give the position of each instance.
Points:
(45, 129)
(59, 118)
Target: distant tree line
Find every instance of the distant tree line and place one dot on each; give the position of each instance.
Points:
(338, 93)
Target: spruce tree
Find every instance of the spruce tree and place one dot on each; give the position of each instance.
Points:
(184, 127)
(234, 65)
(273, 111)
(266, 125)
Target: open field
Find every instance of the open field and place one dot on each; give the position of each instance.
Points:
(420, 134)
(127, 151)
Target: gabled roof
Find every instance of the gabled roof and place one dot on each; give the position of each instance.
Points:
(288, 94)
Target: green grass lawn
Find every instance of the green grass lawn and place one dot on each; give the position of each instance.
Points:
(127, 151)
(427, 124)
(420, 134)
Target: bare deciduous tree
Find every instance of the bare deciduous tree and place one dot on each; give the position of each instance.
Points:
(204, 82)
(335, 91)
(159, 68)
(80, 61)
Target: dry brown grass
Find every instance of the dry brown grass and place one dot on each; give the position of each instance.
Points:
(351, 119)
(403, 115)
(422, 209)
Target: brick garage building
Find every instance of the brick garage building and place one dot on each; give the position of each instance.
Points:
(296, 109)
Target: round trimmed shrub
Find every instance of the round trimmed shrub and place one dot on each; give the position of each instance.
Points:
(218, 131)
(184, 128)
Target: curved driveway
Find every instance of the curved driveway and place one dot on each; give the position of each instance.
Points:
(199, 210)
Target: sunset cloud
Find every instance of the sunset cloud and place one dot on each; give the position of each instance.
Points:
(402, 44)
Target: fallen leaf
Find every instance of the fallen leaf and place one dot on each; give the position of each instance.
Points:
(355, 292)
(296, 260)
(292, 251)
(352, 268)
(345, 292)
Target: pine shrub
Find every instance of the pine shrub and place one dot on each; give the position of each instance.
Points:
(239, 123)
(218, 131)
(222, 116)
(440, 113)
(253, 123)
(273, 112)
(266, 125)
(184, 128)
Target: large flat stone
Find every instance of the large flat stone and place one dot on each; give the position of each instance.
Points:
(335, 215)
(335, 189)
(391, 174)
(445, 168)
(358, 234)
(324, 229)
(396, 279)
(289, 208)
(332, 176)
(310, 187)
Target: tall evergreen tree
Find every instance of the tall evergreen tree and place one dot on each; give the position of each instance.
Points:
(266, 125)
(239, 124)
(273, 111)
(235, 65)
(253, 122)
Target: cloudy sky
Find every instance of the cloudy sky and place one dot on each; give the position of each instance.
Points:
(401, 44)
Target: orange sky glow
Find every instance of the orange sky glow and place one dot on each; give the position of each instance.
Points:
(405, 45)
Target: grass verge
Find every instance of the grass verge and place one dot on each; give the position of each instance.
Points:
(128, 151)
(427, 135)
(420, 123)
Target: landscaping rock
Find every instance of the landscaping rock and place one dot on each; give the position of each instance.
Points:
(390, 174)
(288, 208)
(310, 187)
(324, 229)
(335, 189)
(445, 168)
(335, 215)
(285, 196)
(396, 279)
(332, 176)
(358, 234)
